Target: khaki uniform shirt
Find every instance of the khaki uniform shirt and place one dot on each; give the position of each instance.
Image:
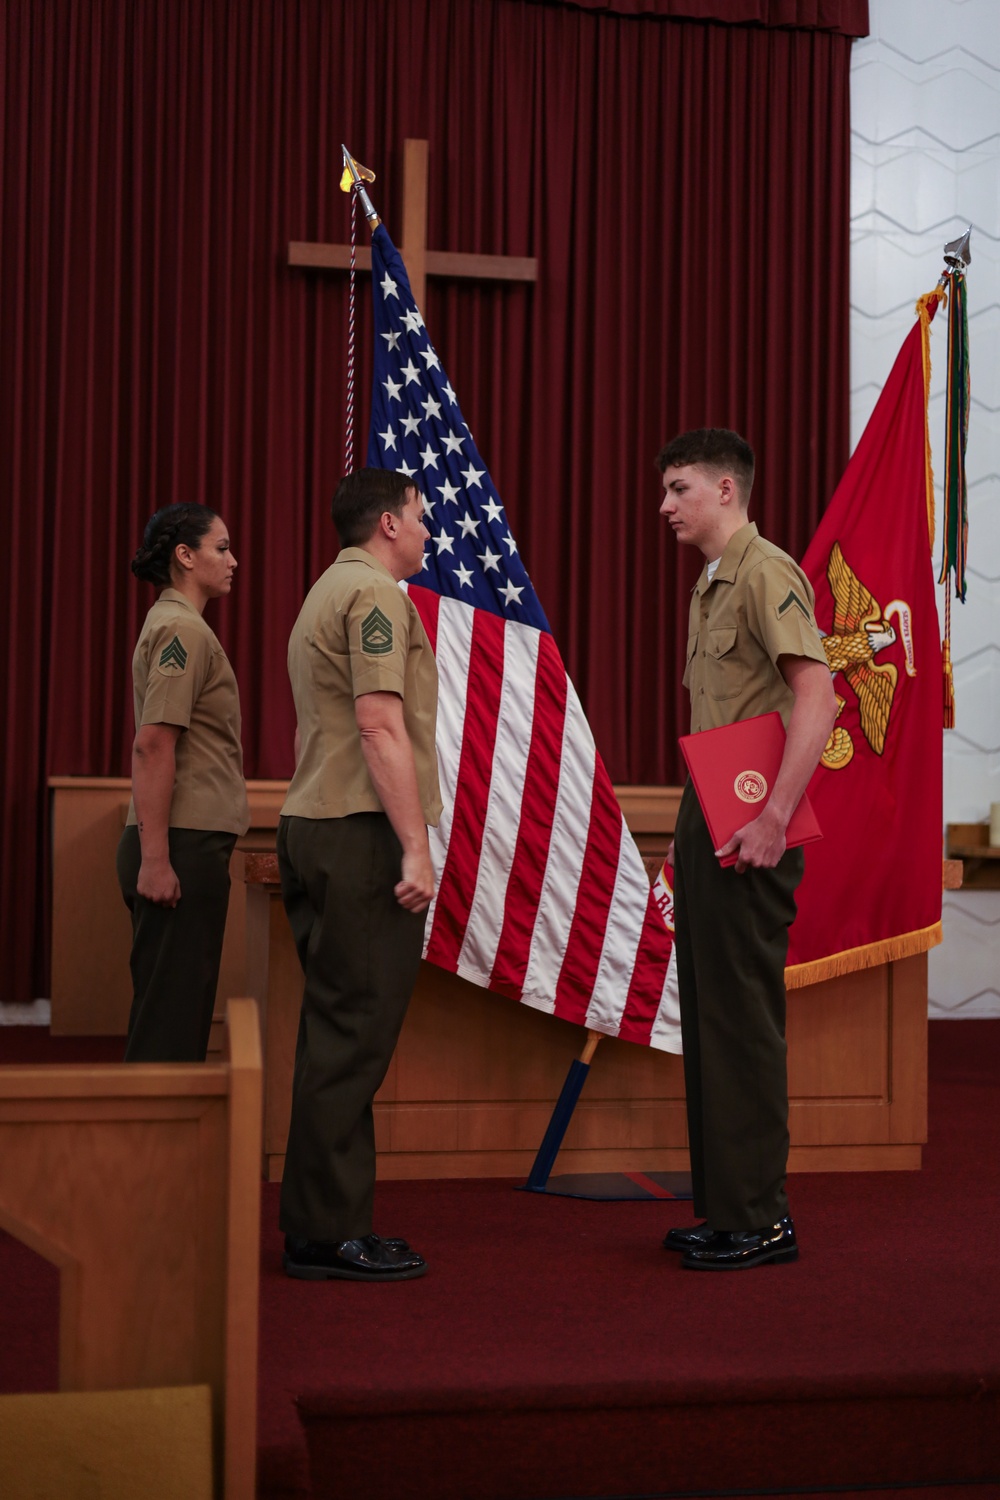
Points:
(758, 606)
(357, 633)
(182, 676)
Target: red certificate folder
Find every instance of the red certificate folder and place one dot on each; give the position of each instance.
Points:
(733, 770)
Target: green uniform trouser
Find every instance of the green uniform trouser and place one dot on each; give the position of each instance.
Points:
(732, 943)
(176, 951)
(360, 952)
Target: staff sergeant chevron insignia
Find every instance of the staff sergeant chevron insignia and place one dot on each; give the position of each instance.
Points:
(173, 657)
(376, 633)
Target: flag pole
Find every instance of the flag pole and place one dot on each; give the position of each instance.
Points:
(561, 1115)
(955, 520)
(352, 180)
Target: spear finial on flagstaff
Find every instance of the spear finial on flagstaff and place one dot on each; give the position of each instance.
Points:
(353, 180)
(957, 254)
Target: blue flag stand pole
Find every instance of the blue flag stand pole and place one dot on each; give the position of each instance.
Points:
(599, 1186)
(562, 1114)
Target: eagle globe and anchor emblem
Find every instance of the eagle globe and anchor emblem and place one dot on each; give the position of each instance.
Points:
(861, 629)
(750, 786)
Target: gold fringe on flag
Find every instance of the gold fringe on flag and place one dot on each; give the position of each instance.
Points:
(924, 305)
(797, 976)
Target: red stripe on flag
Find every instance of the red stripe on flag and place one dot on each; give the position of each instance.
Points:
(427, 603)
(593, 902)
(475, 769)
(648, 978)
(538, 807)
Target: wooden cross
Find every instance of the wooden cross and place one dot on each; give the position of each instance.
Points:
(420, 262)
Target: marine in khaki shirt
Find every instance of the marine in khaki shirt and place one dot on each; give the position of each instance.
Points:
(357, 633)
(756, 608)
(356, 869)
(181, 676)
(752, 647)
(189, 800)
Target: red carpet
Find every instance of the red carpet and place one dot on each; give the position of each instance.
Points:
(555, 1350)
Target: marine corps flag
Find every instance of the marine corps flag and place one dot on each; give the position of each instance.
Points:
(872, 887)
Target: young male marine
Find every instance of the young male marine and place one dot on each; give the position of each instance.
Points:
(752, 647)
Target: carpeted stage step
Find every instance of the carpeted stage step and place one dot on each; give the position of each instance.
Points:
(567, 1355)
(523, 1445)
(555, 1350)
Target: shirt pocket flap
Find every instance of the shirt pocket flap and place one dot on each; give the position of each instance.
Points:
(720, 641)
(723, 665)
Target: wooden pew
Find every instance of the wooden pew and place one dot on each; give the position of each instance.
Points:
(142, 1184)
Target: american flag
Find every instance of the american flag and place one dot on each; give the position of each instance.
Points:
(541, 890)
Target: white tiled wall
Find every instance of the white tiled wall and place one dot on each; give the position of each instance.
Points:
(925, 101)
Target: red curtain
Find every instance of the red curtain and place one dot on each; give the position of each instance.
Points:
(683, 183)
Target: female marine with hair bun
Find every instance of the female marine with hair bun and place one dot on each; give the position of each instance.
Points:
(189, 801)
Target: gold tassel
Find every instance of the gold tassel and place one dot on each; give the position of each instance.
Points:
(797, 976)
(949, 676)
(949, 688)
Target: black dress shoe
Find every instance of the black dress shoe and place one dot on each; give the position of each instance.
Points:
(739, 1249)
(367, 1259)
(694, 1238)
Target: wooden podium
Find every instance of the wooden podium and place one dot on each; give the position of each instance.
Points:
(475, 1076)
(91, 932)
(471, 1087)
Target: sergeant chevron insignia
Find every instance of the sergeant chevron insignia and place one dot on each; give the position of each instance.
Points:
(173, 656)
(376, 633)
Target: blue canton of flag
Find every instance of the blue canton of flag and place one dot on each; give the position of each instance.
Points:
(418, 428)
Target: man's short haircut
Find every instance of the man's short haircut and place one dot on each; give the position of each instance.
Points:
(364, 495)
(715, 448)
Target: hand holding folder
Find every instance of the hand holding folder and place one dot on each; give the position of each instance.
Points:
(734, 770)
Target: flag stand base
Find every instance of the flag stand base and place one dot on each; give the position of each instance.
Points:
(615, 1187)
(609, 1187)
